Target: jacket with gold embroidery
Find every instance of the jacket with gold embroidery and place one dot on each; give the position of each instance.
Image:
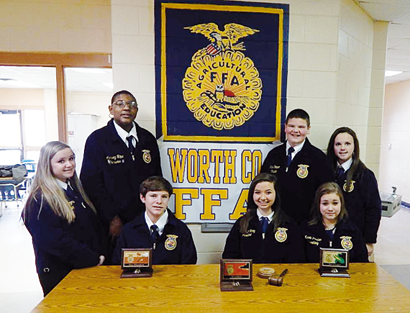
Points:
(281, 245)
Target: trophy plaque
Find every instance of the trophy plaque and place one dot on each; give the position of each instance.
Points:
(236, 275)
(334, 262)
(136, 262)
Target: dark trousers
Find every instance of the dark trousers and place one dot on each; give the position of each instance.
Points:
(49, 280)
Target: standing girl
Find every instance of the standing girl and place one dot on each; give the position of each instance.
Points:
(60, 218)
(358, 183)
(329, 227)
(265, 233)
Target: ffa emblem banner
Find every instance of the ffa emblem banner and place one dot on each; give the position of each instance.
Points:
(221, 70)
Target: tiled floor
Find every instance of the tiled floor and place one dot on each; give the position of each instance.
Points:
(20, 291)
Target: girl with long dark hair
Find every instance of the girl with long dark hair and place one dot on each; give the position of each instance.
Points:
(265, 233)
(358, 183)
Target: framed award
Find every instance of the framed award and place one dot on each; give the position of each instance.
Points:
(334, 262)
(236, 275)
(136, 262)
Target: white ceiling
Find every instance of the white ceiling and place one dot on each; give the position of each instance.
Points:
(397, 12)
(76, 79)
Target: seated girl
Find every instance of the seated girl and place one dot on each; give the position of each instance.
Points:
(265, 233)
(60, 218)
(330, 228)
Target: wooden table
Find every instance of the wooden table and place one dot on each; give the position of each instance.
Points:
(195, 288)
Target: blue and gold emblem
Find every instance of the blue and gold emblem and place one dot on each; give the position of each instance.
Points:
(348, 187)
(222, 87)
(281, 234)
(347, 242)
(171, 242)
(302, 171)
(146, 156)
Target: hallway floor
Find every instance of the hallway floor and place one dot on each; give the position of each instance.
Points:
(20, 290)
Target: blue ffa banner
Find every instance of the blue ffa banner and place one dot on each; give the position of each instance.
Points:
(221, 70)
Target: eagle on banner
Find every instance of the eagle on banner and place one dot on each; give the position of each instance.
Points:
(221, 40)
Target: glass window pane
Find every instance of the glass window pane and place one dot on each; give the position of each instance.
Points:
(34, 133)
(33, 155)
(10, 129)
(10, 157)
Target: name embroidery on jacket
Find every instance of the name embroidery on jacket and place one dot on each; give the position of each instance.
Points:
(274, 168)
(249, 233)
(115, 159)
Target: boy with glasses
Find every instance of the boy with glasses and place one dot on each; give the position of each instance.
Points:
(117, 159)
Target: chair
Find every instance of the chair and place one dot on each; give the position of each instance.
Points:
(9, 192)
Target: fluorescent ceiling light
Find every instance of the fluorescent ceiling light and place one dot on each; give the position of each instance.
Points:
(392, 73)
(88, 70)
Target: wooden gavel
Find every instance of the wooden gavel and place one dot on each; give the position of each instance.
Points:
(277, 280)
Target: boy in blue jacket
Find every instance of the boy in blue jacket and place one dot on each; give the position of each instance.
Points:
(157, 227)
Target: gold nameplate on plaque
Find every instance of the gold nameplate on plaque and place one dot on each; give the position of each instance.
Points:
(136, 263)
(334, 262)
(236, 275)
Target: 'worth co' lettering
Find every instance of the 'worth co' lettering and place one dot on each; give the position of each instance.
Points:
(204, 166)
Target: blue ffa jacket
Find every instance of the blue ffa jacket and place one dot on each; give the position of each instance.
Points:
(174, 246)
(363, 203)
(111, 178)
(309, 169)
(59, 246)
(281, 245)
(347, 236)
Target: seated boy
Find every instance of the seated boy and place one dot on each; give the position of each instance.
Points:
(157, 227)
(299, 167)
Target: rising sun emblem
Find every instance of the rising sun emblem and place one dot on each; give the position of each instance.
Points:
(222, 87)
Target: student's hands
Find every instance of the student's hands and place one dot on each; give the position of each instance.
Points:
(370, 249)
(102, 259)
(115, 227)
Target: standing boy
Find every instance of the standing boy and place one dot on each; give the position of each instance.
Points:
(117, 158)
(299, 166)
(157, 227)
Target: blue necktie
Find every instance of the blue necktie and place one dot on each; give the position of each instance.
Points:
(154, 233)
(289, 160)
(340, 171)
(130, 146)
(264, 223)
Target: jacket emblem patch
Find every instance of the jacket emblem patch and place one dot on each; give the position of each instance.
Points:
(302, 171)
(171, 242)
(347, 187)
(281, 234)
(347, 242)
(146, 156)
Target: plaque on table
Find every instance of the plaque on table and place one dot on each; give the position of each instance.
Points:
(334, 262)
(236, 275)
(136, 262)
